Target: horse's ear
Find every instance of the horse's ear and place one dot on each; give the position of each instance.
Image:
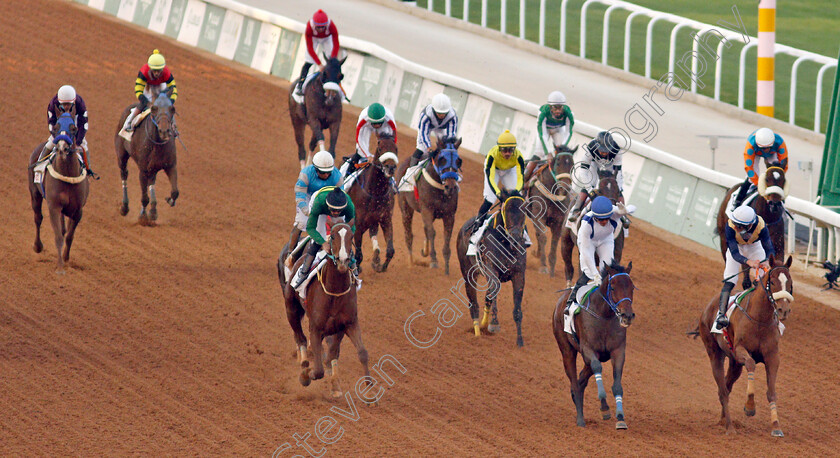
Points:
(341, 62)
(326, 59)
(575, 148)
(629, 267)
(458, 144)
(789, 262)
(458, 163)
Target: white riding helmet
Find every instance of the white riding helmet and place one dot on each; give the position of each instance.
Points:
(323, 161)
(441, 103)
(764, 137)
(66, 94)
(744, 216)
(556, 98)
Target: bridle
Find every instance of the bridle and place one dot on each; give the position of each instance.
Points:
(771, 296)
(351, 265)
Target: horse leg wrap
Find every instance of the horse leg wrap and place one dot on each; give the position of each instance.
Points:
(485, 319)
(619, 407)
(476, 328)
(602, 394)
(750, 383)
(774, 416)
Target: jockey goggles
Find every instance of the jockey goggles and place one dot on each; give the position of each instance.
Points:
(507, 149)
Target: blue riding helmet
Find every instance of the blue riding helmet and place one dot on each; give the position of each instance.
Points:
(602, 208)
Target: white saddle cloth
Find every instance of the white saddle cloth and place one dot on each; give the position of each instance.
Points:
(569, 322)
(409, 180)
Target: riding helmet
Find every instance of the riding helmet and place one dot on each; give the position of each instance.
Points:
(506, 140)
(556, 98)
(375, 113)
(66, 94)
(744, 216)
(323, 161)
(441, 103)
(156, 60)
(337, 199)
(764, 137)
(602, 208)
(320, 19)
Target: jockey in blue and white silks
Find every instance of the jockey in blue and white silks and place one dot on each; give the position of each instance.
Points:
(596, 235)
(439, 118)
(320, 174)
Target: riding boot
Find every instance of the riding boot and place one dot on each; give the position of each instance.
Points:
(573, 297)
(304, 270)
(129, 120)
(742, 193)
(529, 169)
(576, 209)
(48, 147)
(351, 165)
(482, 215)
(415, 158)
(303, 73)
(293, 241)
(721, 320)
(90, 172)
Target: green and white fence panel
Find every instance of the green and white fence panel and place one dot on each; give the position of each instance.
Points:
(670, 192)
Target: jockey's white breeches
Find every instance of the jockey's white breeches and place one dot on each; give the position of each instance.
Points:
(504, 179)
(605, 250)
(300, 218)
(553, 137)
(321, 46)
(752, 251)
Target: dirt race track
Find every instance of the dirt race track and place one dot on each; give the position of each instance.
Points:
(173, 339)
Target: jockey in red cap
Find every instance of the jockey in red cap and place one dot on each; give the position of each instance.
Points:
(154, 75)
(320, 33)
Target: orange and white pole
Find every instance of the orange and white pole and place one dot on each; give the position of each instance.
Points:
(765, 86)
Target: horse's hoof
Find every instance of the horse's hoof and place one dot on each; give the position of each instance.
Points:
(581, 423)
(153, 215)
(777, 433)
(124, 209)
(494, 328)
(38, 247)
(304, 378)
(605, 415)
(543, 270)
(750, 413)
(170, 201)
(519, 342)
(337, 394)
(60, 271)
(620, 425)
(433, 265)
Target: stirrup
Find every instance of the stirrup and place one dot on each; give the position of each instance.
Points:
(92, 174)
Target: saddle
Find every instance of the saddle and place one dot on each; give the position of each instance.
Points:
(531, 179)
(582, 297)
(41, 166)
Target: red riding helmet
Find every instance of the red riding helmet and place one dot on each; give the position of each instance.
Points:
(320, 19)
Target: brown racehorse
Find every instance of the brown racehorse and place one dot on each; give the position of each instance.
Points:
(752, 337)
(607, 187)
(330, 304)
(601, 335)
(373, 196)
(65, 187)
(501, 258)
(769, 205)
(321, 109)
(435, 198)
(549, 199)
(152, 147)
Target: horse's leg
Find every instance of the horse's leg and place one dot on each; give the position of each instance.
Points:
(749, 363)
(448, 225)
(316, 346)
(122, 163)
(716, 358)
(37, 203)
(375, 260)
(618, 247)
(172, 174)
(429, 229)
(570, 364)
(408, 218)
(335, 126)
(732, 374)
(354, 333)
(542, 240)
(144, 199)
(490, 320)
(333, 350)
(595, 369)
(299, 126)
(57, 222)
(518, 289)
(771, 367)
(71, 231)
(566, 247)
(556, 229)
(357, 241)
(152, 198)
(617, 357)
(388, 231)
(294, 314)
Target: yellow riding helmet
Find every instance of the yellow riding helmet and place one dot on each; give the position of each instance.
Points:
(506, 139)
(156, 60)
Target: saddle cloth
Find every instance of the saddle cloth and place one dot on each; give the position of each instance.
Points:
(299, 98)
(317, 263)
(409, 180)
(472, 248)
(41, 167)
(574, 309)
(348, 183)
(733, 302)
(751, 195)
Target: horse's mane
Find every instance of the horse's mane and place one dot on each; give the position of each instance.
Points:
(618, 268)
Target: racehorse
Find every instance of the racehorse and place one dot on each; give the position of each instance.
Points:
(435, 197)
(501, 258)
(373, 196)
(549, 199)
(601, 335)
(321, 108)
(752, 337)
(152, 147)
(607, 187)
(65, 187)
(773, 188)
(330, 304)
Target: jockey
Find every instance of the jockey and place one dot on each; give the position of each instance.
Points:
(595, 235)
(763, 143)
(439, 118)
(329, 205)
(503, 168)
(554, 124)
(155, 74)
(65, 101)
(748, 242)
(322, 35)
(320, 174)
(602, 152)
(373, 119)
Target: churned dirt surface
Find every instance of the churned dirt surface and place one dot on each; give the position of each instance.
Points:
(174, 340)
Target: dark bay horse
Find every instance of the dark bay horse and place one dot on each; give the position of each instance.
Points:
(752, 337)
(373, 197)
(65, 188)
(331, 306)
(769, 205)
(436, 198)
(607, 187)
(152, 147)
(501, 258)
(549, 199)
(601, 336)
(321, 109)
